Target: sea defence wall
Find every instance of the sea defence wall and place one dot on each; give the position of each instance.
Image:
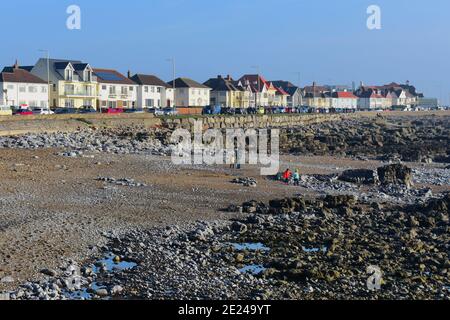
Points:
(19, 125)
(249, 121)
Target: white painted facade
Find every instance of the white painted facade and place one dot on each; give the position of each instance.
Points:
(344, 103)
(113, 95)
(29, 94)
(149, 96)
(192, 97)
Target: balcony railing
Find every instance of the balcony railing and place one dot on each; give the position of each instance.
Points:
(80, 93)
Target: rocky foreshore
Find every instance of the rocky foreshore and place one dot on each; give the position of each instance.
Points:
(293, 248)
(425, 139)
(120, 140)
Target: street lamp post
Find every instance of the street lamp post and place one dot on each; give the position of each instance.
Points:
(48, 78)
(259, 85)
(173, 82)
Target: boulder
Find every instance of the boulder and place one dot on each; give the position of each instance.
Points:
(337, 201)
(360, 176)
(396, 174)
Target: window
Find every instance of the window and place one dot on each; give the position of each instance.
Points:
(44, 104)
(104, 88)
(69, 103)
(124, 90)
(10, 87)
(153, 89)
(87, 103)
(33, 104)
(158, 89)
(44, 89)
(112, 90)
(69, 89)
(104, 104)
(131, 89)
(32, 89)
(125, 103)
(149, 103)
(69, 74)
(54, 87)
(145, 89)
(159, 103)
(112, 104)
(22, 89)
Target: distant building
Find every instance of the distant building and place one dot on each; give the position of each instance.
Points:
(73, 84)
(371, 99)
(152, 92)
(264, 92)
(344, 100)
(190, 93)
(115, 90)
(19, 87)
(226, 93)
(318, 97)
(427, 103)
(295, 95)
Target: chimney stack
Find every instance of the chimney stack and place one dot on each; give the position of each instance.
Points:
(129, 74)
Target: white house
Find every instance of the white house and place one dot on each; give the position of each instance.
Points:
(115, 90)
(152, 92)
(18, 87)
(344, 100)
(189, 93)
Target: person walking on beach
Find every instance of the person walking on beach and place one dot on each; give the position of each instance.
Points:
(287, 176)
(296, 178)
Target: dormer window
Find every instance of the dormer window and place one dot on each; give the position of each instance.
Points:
(87, 75)
(69, 74)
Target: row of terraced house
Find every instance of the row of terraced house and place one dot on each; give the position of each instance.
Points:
(57, 83)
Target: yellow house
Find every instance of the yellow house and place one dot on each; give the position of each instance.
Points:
(225, 93)
(72, 83)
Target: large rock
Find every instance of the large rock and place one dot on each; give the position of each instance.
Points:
(360, 176)
(397, 174)
(338, 201)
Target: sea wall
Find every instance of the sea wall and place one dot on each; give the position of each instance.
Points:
(249, 121)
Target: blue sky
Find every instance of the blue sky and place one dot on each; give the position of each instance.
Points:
(325, 40)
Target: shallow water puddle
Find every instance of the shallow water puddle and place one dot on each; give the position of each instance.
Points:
(84, 294)
(110, 265)
(254, 269)
(251, 246)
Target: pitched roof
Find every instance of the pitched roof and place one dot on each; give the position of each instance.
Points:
(252, 79)
(149, 80)
(17, 74)
(222, 84)
(344, 95)
(187, 83)
(111, 76)
(280, 91)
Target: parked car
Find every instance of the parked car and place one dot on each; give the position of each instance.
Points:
(227, 111)
(23, 112)
(212, 110)
(155, 111)
(240, 111)
(87, 110)
(134, 110)
(65, 111)
(251, 110)
(42, 111)
(170, 111)
(112, 110)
